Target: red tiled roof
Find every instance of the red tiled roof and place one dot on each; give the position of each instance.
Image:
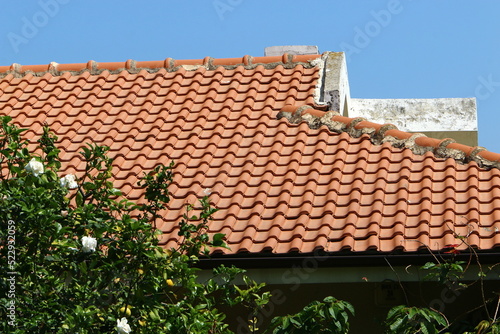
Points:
(312, 180)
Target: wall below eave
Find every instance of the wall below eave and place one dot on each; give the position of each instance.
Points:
(442, 118)
(373, 291)
(308, 272)
(371, 302)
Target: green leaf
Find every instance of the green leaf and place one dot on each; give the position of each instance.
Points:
(79, 199)
(428, 265)
(295, 322)
(218, 240)
(396, 324)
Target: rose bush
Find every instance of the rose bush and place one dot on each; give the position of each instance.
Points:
(87, 260)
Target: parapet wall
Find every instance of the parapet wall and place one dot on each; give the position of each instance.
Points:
(438, 118)
(418, 115)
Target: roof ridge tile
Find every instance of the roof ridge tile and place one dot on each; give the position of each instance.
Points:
(169, 64)
(418, 143)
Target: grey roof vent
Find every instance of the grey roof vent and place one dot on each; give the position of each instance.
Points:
(291, 49)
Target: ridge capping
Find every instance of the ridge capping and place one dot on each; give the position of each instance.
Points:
(169, 64)
(418, 143)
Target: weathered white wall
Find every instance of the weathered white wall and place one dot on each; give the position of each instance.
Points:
(334, 83)
(419, 115)
(291, 49)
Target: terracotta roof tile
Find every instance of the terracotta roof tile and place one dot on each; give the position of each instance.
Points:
(315, 180)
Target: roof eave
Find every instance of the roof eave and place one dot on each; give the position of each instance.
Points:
(347, 259)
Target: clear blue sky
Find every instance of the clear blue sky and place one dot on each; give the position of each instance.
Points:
(410, 48)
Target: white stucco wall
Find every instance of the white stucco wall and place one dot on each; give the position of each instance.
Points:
(419, 115)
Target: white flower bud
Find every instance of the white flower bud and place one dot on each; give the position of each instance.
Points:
(89, 244)
(68, 181)
(35, 167)
(122, 326)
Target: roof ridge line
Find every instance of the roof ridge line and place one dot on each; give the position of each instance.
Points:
(418, 143)
(171, 65)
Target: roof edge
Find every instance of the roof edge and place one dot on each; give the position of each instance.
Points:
(171, 65)
(379, 134)
(336, 259)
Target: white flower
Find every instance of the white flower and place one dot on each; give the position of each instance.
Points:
(122, 326)
(88, 244)
(207, 191)
(35, 167)
(68, 181)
